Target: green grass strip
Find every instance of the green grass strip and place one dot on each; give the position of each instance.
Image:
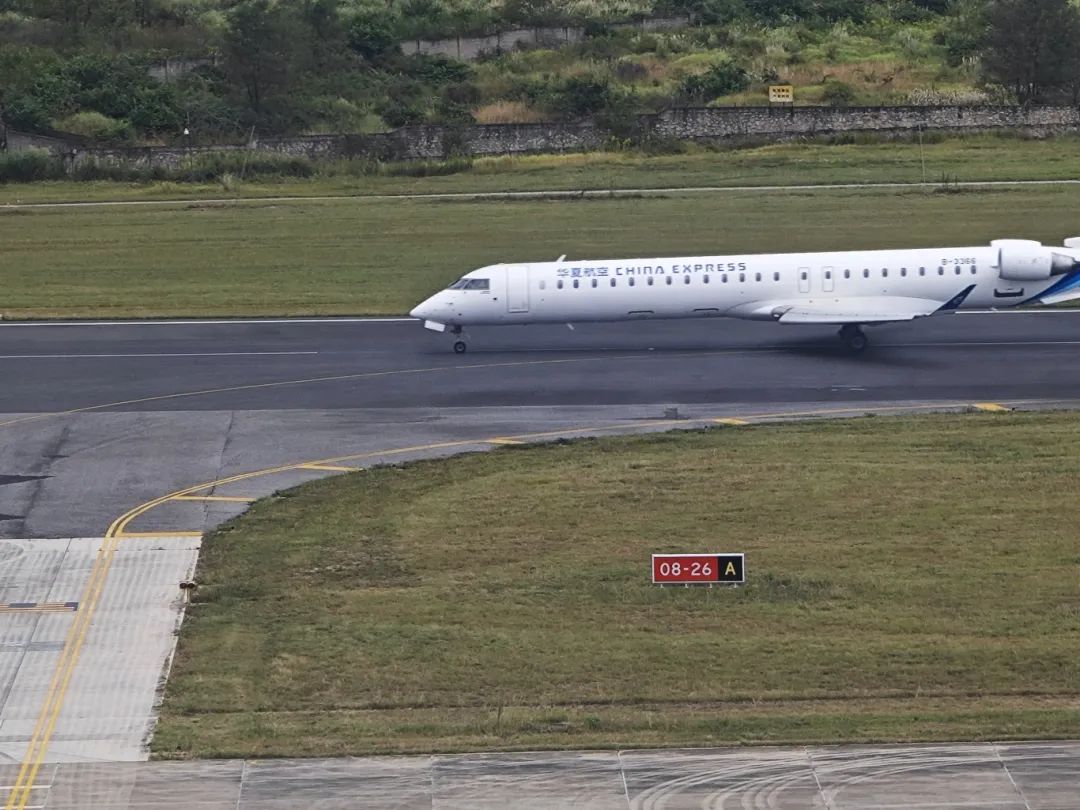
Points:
(909, 579)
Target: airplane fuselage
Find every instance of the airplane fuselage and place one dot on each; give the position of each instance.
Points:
(853, 287)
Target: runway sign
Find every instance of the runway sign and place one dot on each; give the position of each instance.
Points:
(698, 569)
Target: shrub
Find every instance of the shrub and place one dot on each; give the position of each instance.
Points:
(438, 69)
(719, 80)
(95, 126)
(30, 165)
(372, 36)
(838, 94)
(628, 71)
(580, 95)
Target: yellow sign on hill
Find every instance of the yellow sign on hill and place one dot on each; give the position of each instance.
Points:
(781, 94)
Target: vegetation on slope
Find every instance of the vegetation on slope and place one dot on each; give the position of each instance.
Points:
(272, 66)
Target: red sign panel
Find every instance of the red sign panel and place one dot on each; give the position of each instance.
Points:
(700, 569)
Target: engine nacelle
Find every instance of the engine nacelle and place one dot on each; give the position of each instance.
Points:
(1027, 260)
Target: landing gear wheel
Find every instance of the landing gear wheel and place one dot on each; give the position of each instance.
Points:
(854, 338)
(459, 347)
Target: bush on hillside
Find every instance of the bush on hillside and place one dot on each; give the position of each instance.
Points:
(719, 80)
(838, 94)
(95, 126)
(580, 96)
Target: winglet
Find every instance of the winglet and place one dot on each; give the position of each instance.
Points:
(956, 301)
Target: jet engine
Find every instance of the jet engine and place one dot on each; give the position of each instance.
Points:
(1026, 260)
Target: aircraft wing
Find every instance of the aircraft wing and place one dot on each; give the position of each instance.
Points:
(868, 309)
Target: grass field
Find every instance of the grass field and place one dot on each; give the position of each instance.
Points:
(910, 579)
(987, 157)
(381, 257)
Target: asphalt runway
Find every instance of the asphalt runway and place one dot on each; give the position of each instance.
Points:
(148, 434)
(98, 418)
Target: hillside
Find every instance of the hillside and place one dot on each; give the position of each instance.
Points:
(143, 70)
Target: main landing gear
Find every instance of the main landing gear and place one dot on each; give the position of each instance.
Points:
(459, 345)
(854, 338)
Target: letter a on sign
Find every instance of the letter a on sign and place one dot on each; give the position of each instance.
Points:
(730, 571)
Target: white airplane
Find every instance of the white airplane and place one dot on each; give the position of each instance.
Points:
(850, 289)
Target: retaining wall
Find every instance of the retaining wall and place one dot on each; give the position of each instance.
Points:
(693, 124)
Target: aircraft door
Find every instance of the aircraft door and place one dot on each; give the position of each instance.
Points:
(517, 288)
(804, 279)
(828, 280)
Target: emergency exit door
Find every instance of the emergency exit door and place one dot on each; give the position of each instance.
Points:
(828, 280)
(517, 288)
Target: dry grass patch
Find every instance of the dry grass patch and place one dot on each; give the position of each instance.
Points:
(507, 112)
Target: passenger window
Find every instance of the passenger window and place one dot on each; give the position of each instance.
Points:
(669, 281)
(649, 282)
(594, 283)
(803, 275)
(866, 272)
(543, 284)
(576, 285)
(828, 274)
(973, 270)
(884, 272)
(631, 281)
(686, 279)
(903, 272)
(941, 271)
(742, 277)
(757, 276)
(958, 271)
(922, 271)
(613, 282)
(723, 279)
(847, 274)
(775, 276)
(705, 279)
(559, 283)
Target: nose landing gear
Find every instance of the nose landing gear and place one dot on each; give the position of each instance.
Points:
(459, 345)
(854, 338)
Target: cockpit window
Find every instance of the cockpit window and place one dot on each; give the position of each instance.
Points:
(471, 284)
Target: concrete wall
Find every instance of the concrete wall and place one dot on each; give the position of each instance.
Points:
(469, 48)
(695, 124)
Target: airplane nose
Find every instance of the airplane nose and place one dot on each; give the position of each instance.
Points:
(421, 310)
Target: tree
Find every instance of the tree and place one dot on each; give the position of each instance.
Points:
(260, 38)
(1029, 46)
